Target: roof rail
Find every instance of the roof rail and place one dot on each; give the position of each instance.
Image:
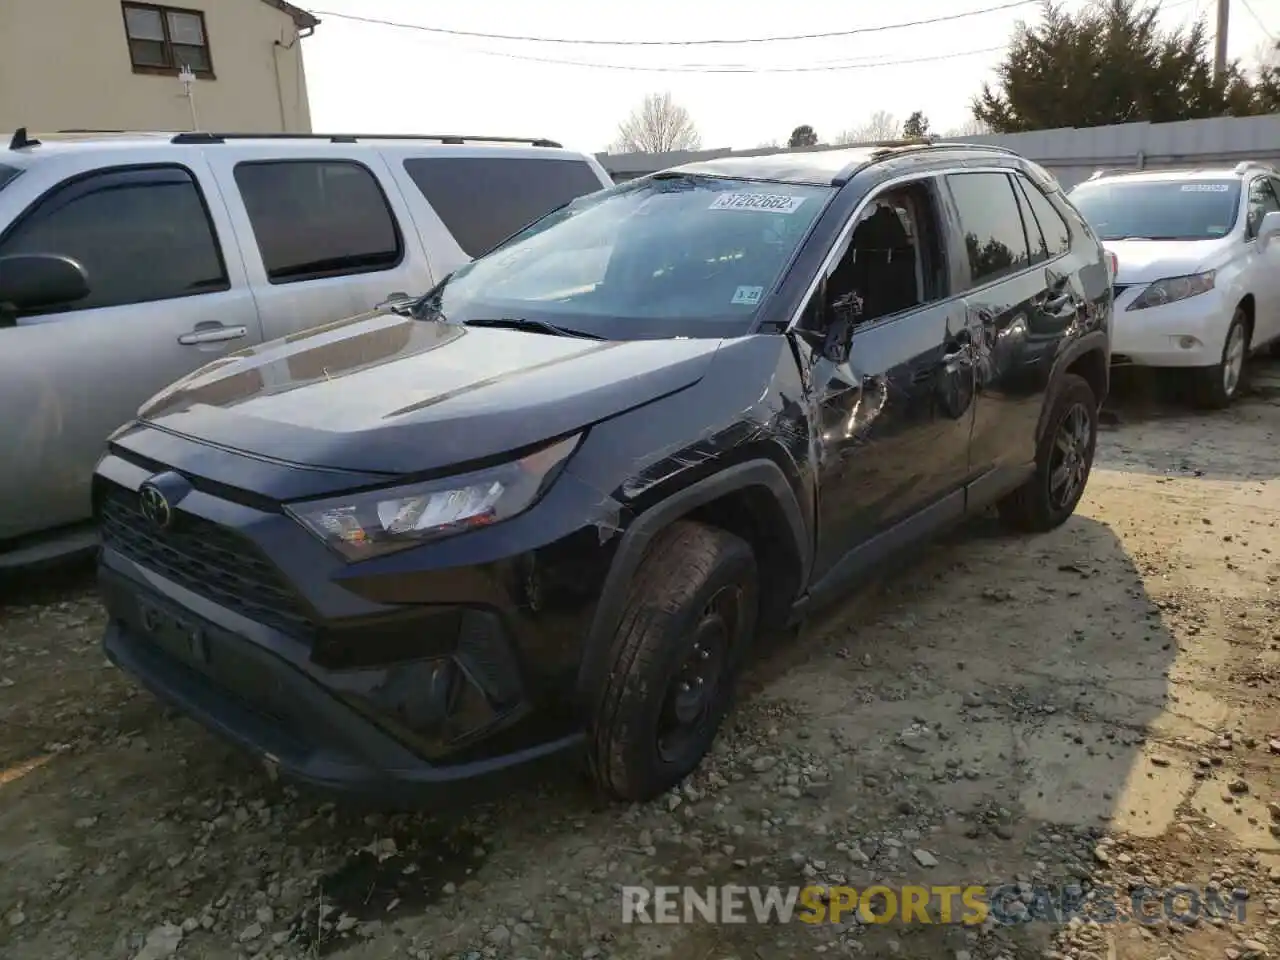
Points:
(203, 137)
(1121, 171)
(1244, 166)
(890, 148)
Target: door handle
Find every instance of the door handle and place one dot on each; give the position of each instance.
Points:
(212, 335)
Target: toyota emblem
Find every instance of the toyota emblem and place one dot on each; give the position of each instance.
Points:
(155, 506)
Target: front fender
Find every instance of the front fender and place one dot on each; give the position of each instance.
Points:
(635, 541)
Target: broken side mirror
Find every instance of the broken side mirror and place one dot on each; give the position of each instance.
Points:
(828, 328)
(37, 281)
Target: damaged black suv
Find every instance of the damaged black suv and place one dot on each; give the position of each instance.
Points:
(547, 507)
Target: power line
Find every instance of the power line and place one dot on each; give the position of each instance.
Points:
(733, 68)
(862, 63)
(1257, 19)
(879, 28)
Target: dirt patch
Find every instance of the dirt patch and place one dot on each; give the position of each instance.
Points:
(1089, 711)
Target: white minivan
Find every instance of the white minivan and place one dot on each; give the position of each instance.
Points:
(129, 260)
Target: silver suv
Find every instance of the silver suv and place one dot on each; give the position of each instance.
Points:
(129, 260)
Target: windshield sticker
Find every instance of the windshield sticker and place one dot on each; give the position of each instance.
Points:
(1205, 188)
(748, 295)
(768, 202)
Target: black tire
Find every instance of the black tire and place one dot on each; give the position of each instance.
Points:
(1215, 387)
(1041, 504)
(688, 570)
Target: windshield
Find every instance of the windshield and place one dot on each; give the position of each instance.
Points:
(7, 173)
(1159, 209)
(660, 257)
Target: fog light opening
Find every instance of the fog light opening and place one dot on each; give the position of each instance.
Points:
(1188, 343)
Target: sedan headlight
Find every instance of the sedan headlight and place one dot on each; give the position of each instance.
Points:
(359, 526)
(1173, 289)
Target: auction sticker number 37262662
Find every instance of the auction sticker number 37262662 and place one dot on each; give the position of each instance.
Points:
(766, 202)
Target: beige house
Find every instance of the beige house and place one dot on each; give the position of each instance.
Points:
(113, 65)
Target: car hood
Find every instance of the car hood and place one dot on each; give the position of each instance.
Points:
(388, 394)
(1145, 261)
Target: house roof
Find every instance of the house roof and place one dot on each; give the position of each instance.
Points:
(303, 19)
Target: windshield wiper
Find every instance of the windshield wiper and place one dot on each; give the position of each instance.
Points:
(531, 326)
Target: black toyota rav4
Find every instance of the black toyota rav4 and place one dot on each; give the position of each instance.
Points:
(547, 506)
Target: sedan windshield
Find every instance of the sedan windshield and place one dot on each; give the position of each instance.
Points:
(665, 256)
(1159, 209)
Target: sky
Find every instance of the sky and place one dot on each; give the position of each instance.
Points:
(372, 78)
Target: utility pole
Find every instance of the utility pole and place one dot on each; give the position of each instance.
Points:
(1220, 39)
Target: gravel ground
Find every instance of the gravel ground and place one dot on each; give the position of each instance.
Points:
(1095, 706)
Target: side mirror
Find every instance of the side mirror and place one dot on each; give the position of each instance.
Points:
(33, 281)
(1269, 229)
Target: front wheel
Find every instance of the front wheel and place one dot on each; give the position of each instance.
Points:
(1217, 386)
(1063, 462)
(688, 623)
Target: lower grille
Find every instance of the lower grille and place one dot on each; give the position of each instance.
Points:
(206, 559)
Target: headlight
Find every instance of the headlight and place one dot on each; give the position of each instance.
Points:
(377, 522)
(1173, 289)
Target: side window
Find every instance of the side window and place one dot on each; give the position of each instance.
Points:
(992, 223)
(892, 261)
(141, 234)
(484, 200)
(318, 218)
(1262, 200)
(1045, 224)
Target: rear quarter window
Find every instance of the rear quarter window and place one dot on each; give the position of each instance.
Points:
(7, 173)
(484, 200)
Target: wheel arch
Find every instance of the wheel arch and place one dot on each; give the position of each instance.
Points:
(754, 500)
(1089, 358)
(1250, 307)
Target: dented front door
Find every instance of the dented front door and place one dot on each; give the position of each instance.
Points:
(893, 425)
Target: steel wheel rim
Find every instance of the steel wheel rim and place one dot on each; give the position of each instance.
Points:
(1233, 359)
(1069, 462)
(697, 685)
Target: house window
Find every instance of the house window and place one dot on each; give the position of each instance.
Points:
(166, 39)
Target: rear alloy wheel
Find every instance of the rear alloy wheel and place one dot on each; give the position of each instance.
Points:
(687, 626)
(1063, 462)
(1217, 386)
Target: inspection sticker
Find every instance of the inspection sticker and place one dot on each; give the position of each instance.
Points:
(747, 295)
(1205, 188)
(768, 202)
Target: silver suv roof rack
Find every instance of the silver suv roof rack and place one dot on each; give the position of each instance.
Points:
(213, 137)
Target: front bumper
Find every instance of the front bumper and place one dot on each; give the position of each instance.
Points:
(251, 698)
(425, 674)
(1187, 333)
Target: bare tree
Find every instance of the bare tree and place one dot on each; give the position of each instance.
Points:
(973, 127)
(1266, 55)
(658, 125)
(882, 125)
(769, 145)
